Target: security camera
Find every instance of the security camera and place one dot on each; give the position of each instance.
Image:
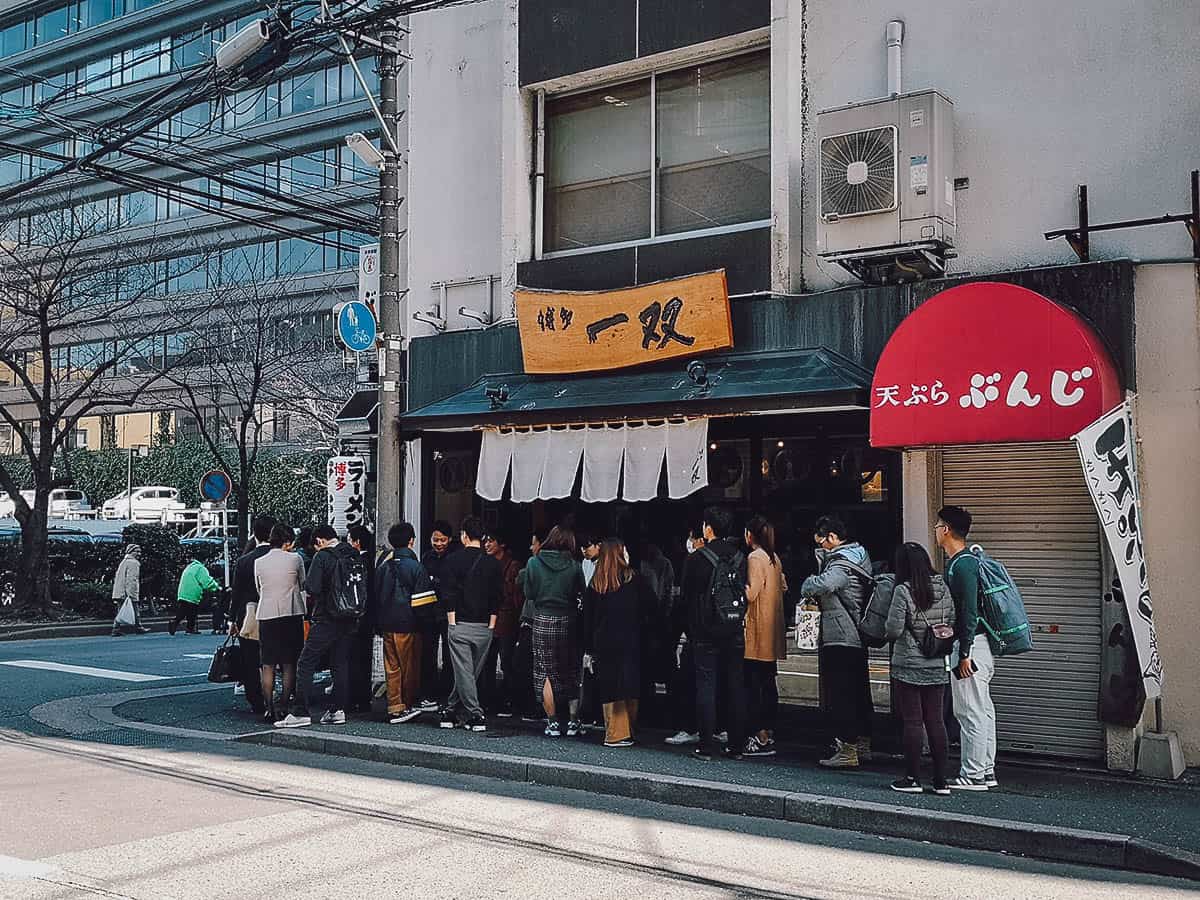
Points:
(361, 147)
(498, 396)
(243, 45)
(698, 372)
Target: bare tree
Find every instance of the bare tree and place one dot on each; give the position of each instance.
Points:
(67, 351)
(263, 357)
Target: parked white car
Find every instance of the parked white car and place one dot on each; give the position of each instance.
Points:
(147, 504)
(64, 503)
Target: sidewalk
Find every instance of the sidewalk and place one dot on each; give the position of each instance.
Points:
(1055, 814)
(26, 631)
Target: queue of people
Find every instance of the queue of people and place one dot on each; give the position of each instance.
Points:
(579, 633)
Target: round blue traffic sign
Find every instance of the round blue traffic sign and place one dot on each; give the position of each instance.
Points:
(356, 327)
(215, 486)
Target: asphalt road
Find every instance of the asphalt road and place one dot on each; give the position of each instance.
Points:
(171, 818)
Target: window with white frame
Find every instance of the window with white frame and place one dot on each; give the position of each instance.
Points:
(678, 152)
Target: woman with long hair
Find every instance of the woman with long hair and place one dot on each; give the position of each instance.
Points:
(765, 640)
(279, 578)
(921, 601)
(552, 583)
(616, 608)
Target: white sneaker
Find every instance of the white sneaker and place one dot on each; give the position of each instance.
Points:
(239, 690)
(293, 721)
(990, 780)
(407, 716)
(683, 738)
(333, 717)
(963, 783)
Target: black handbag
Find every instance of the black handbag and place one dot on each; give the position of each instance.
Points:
(936, 642)
(226, 665)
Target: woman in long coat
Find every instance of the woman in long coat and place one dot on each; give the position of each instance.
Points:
(616, 607)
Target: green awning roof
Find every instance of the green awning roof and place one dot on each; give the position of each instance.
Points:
(799, 380)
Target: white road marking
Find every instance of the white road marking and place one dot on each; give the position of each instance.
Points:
(197, 656)
(90, 671)
(13, 869)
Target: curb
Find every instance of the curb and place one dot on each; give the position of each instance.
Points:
(80, 629)
(1052, 843)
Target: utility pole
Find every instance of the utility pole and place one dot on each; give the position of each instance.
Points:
(393, 363)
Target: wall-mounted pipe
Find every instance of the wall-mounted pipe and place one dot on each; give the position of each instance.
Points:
(895, 49)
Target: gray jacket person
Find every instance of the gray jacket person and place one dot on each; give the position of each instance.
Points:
(127, 585)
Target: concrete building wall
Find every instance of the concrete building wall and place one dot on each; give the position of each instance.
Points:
(1046, 96)
(1168, 426)
(454, 129)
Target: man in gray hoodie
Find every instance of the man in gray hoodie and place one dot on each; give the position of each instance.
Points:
(843, 583)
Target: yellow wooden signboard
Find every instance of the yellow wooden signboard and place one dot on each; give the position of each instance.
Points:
(593, 331)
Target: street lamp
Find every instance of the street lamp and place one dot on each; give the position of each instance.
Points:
(362, 147)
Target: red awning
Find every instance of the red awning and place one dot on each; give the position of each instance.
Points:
(990, 363)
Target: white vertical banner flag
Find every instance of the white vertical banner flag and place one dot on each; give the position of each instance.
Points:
(495, 455)
(346, 487)
(528, 464)
(1109, 457)
(687, 457)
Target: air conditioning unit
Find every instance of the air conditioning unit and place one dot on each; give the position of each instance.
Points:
(886, 190)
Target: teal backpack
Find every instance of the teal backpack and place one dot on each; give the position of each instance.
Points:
(1001, 609)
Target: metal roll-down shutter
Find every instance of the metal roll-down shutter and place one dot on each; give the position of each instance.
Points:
(1033, 512)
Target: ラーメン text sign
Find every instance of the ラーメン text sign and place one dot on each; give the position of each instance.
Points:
(595, 331)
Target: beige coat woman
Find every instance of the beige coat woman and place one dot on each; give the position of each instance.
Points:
(765, 640)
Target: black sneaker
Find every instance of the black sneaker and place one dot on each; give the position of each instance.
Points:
(908, 785)
(940, 788)
(448, 719)
(702, 753)
(476, 724)
(731, 753)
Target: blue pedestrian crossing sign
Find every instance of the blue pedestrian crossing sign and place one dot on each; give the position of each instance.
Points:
(355, 325)
(215, 486)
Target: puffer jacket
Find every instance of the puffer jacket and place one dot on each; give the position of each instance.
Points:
(909, 664)
(840, 591)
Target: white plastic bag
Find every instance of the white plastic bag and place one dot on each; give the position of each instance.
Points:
(126, 615)
(808, 629)
(377, 673)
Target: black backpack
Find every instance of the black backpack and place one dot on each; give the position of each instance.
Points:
(349, 587)
(722, 611)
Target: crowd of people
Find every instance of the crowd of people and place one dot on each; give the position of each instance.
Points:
(580, 638)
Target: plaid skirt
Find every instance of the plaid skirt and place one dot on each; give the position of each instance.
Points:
(556, 656)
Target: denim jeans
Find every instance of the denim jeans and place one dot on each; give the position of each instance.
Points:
(720, 672)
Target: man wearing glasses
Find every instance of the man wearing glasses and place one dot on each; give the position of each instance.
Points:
(974, 666)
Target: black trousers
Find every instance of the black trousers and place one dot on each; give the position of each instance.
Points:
(502, 697)
(436, 680)
(525, 701)
(361, 656)
(336, 638)
(720, 673)
(250, 680)
(185, 610)
(762, 695)
(846, 686)
(681, 693)
(920, 708)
